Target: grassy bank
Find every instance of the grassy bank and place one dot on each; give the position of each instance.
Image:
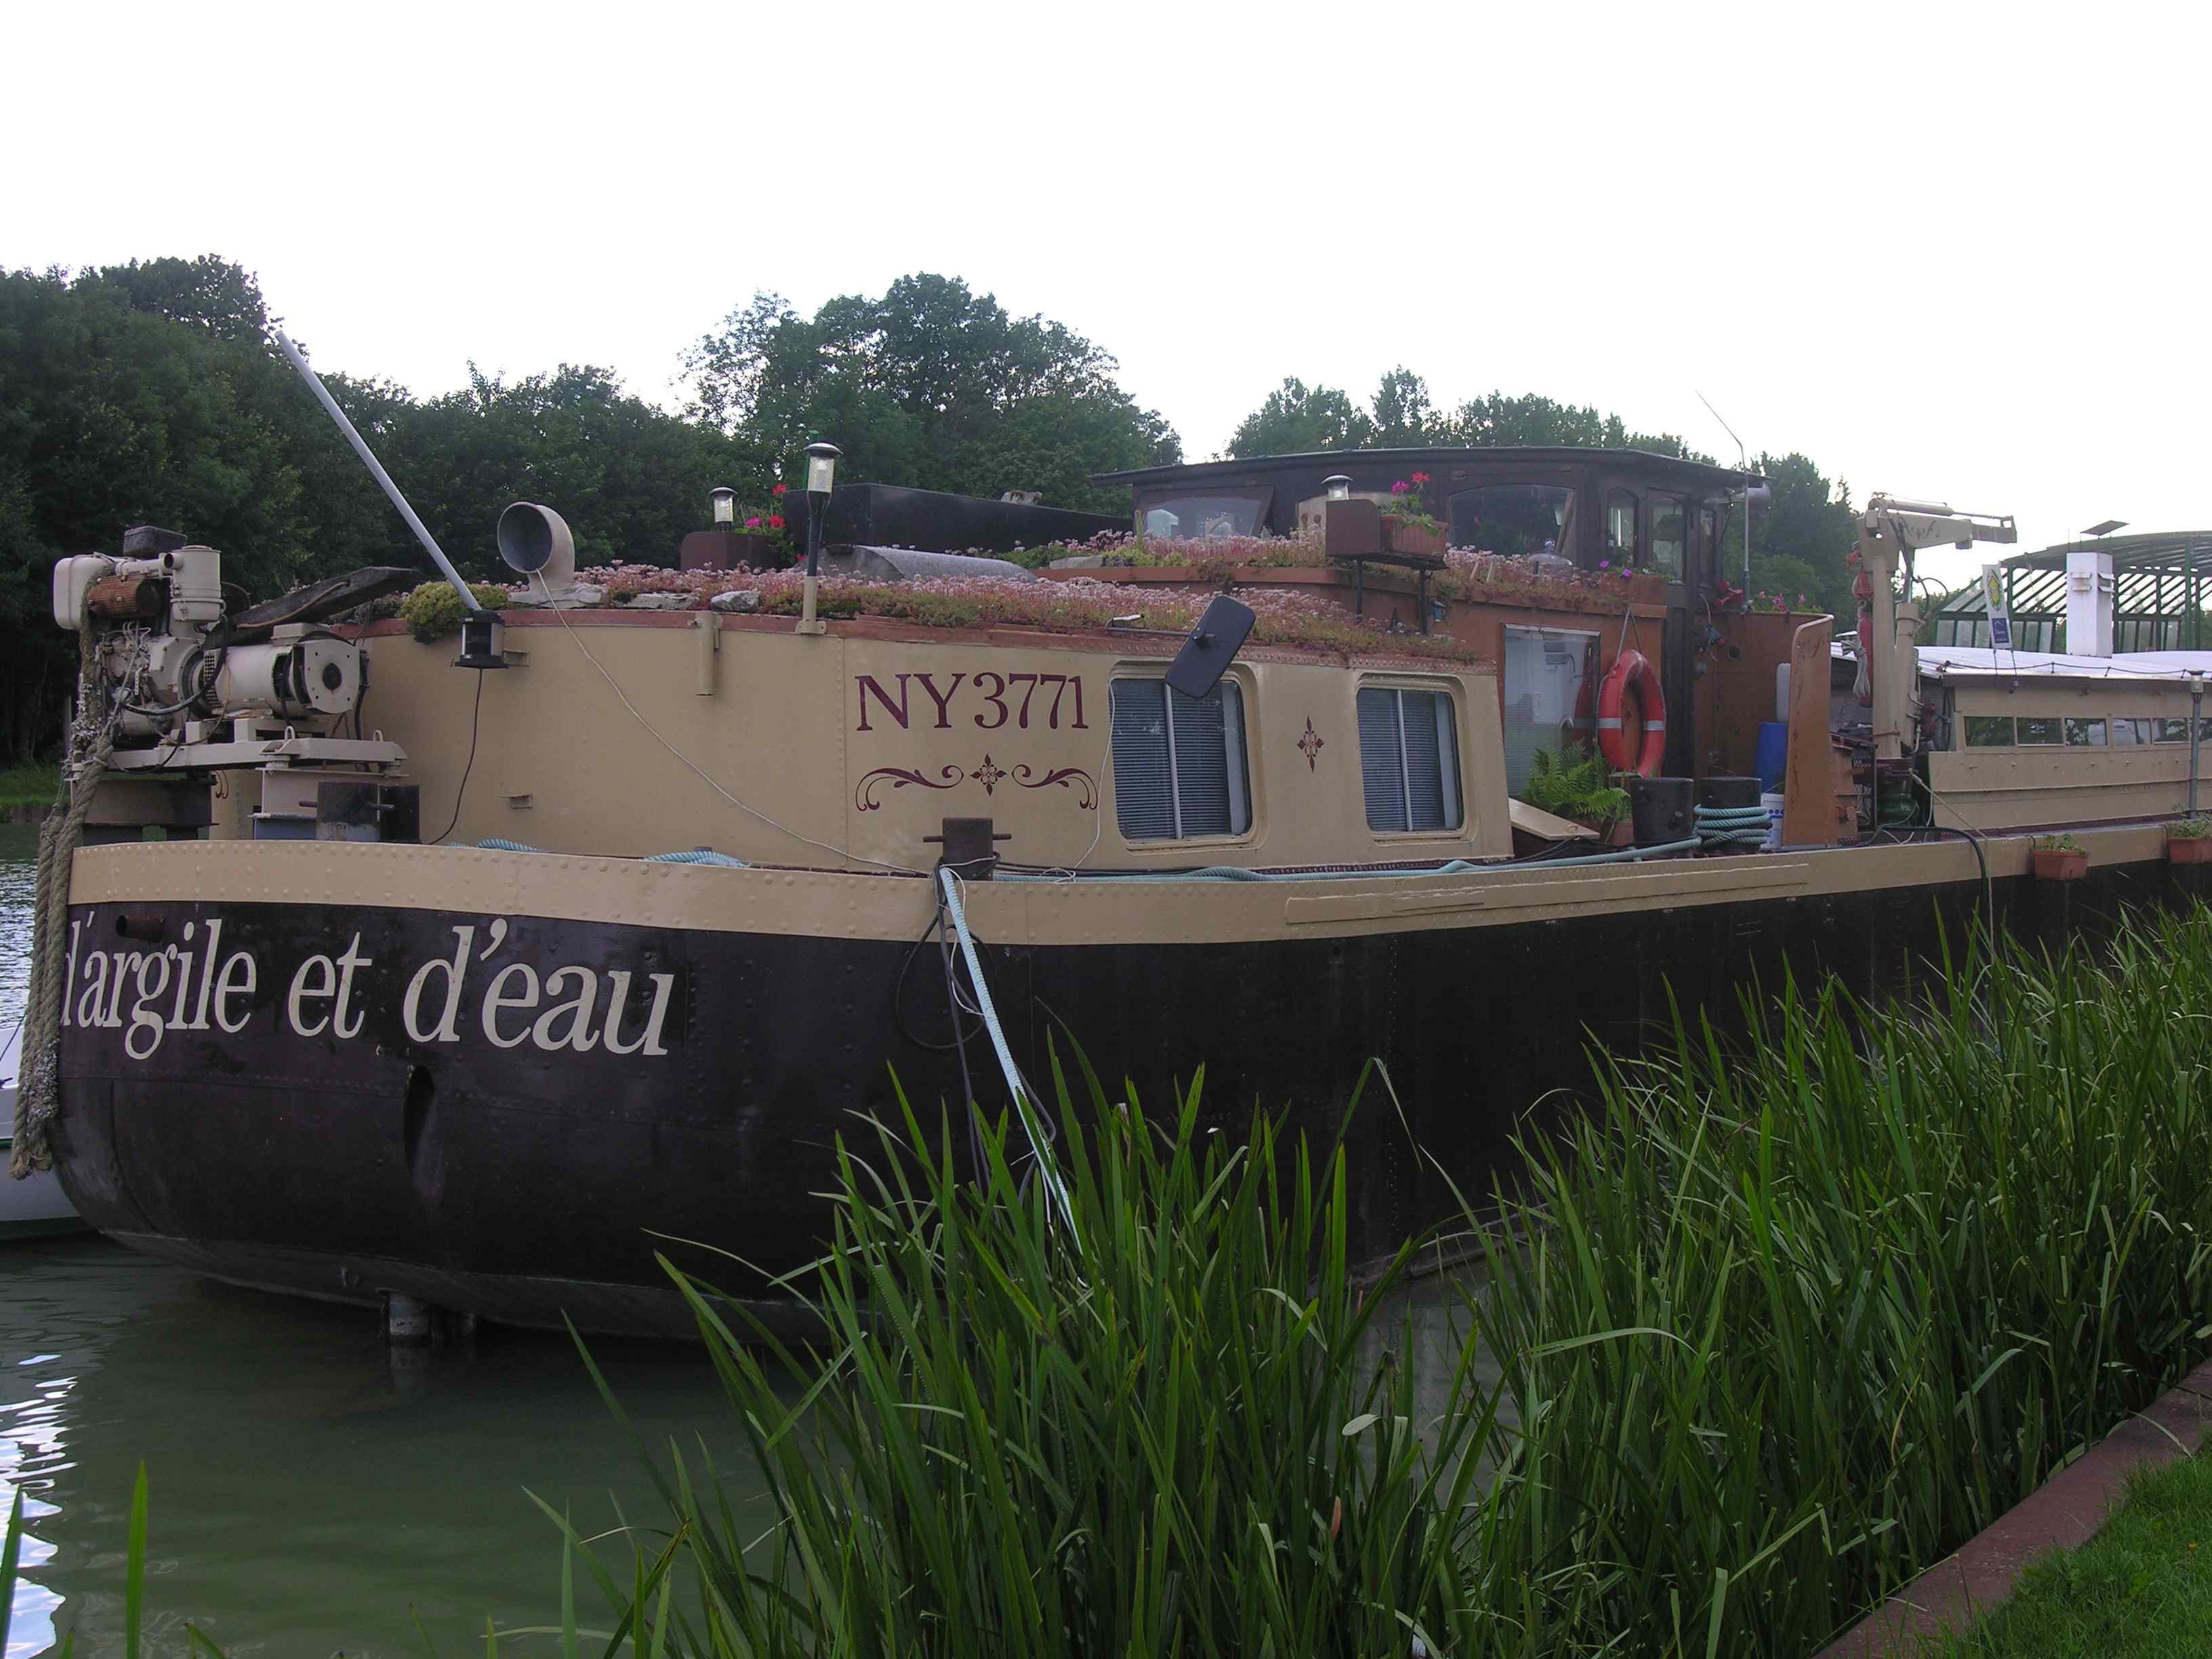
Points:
(28, 786)
(1776, 1329)
(2141, 1589)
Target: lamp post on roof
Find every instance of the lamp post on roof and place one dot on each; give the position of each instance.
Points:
(821, 469)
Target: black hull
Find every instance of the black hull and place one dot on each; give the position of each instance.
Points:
(524, 1185)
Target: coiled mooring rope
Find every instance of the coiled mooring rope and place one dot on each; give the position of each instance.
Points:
(1739, 826)
(39, 1082)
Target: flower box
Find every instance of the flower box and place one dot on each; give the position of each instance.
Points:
(2189, 849)
(1404, 535)
(2052, 863)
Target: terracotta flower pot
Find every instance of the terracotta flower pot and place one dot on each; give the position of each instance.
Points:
(2054, 866)
(1401, 535)
(2192, 849)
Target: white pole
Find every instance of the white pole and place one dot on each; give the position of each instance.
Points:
(330, 408)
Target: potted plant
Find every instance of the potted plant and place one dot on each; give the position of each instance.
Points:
(2189, 841)
(2058, 858)
(1407, 527)
(760, 537)
(1580, 788)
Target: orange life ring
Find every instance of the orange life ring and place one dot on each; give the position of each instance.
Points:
(1630, 670)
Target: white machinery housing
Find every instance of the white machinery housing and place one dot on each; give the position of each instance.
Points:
(186, 693)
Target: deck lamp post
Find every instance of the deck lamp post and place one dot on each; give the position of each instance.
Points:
(821, 469)
(726, 504)
(1338, 487)
(2195, 730)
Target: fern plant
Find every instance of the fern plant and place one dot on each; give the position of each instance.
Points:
(1577, 787)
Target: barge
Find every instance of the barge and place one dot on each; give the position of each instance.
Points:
(478, 979)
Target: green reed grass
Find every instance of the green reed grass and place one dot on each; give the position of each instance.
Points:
(1179, 1429)
(1908, 1262)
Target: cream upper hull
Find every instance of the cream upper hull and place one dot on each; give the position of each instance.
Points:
(828, 904)
(858, 744)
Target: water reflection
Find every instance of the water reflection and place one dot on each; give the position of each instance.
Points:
(19, 852)
(306, 1497)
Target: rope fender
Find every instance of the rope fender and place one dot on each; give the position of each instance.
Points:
(91, 741)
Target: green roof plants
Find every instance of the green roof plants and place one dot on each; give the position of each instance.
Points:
(434, 610)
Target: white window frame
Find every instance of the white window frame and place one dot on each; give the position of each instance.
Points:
(1451, 785)
(1241, 802)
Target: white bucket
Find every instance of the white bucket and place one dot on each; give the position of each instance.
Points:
(1772, 800)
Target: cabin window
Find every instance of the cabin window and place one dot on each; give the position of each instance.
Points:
(2085, 734)
(2131, 731)
(1516, 519)
(1179, 762)
(2034, 729)
(1206, 518)
(1669, 531)
(1621, 528)
(2173, 731)
(1409, 760)
(1988, 730)
(1548, 697)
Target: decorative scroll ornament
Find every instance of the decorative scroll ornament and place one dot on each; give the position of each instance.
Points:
(1065, 776)
(1311, 745)
(990, 775)
(864, 797)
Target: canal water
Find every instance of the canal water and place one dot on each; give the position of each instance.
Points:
(310, 1492)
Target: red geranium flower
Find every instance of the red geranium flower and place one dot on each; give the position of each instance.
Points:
(780, 489)
(1421, 477)
(775, 521)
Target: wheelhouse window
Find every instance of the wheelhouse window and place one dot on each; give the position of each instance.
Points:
(1180, 769)
(1206, 518)
(2035, 729)
(1621, 528)
(2130, 732)
(1516, 519)
(1669, 532)
(2085, 734)
(1409, 760)
(1988, 730)
(2173, 731)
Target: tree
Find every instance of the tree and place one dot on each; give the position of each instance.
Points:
(112, 415)
(1297, 421)
(930, 385)
(1530, 419)
(1401, 415)
(147, 393)
(1404, 416)
(1801, 541)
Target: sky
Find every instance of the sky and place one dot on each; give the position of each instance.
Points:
(1949, 251)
